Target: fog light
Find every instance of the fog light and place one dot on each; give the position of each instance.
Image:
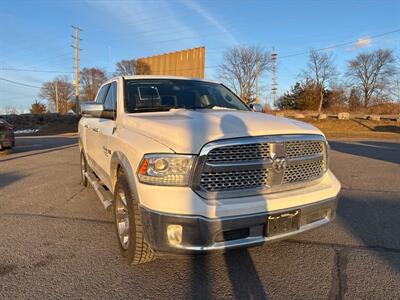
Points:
(317, 215)
(174, 234)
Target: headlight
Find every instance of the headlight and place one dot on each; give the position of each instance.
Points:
(165, 169)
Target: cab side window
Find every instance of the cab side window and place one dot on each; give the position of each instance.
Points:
(110, 103)
(102, 94)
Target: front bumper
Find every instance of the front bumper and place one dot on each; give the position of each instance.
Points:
(7, 140)
(200, 234)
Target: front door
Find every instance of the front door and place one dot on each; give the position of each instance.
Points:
(92, 128)
(105, 128)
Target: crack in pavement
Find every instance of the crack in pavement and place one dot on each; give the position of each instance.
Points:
(56, 217)
(6, 269)
(339, 274)
(45, 261)
(346, 246)
(349, 188)
(339, 271)
(52, 208)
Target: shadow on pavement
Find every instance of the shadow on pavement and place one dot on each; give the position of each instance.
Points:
(39, 146)
(387, 128)
(243, 275)
(371, 149)
(374, 219)
(200, 283)
(9, 178)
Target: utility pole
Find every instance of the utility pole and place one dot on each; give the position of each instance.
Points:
(77, 49)
(274, 83)
(56, 88)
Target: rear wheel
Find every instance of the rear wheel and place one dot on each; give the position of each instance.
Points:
(129, 226)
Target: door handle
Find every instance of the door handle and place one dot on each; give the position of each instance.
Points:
(86, 126)
(96, 130)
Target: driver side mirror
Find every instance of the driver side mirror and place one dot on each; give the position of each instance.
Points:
(92, 109)
(256, 107)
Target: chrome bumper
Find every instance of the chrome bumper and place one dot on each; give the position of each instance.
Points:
(203, 235)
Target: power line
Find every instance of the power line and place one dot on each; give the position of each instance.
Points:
(34, 71)
(20, 83)
(340, 45)
(206, 67)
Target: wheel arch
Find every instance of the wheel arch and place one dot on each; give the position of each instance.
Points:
(120, 161)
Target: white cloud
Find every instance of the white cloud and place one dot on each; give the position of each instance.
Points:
(210, 18)
(361, 43)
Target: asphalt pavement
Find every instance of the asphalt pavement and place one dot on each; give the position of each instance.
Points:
(57, 241)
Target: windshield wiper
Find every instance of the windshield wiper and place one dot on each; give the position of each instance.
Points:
(154, 108)
(210, 107)
(158, 108)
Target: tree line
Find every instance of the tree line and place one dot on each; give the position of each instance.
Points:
(369, 79)
(60, 91)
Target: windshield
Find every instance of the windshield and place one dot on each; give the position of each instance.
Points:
(164, 94)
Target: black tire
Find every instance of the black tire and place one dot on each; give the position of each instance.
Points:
(136, 249)
(84, 168)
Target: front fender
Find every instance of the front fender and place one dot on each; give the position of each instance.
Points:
(119, 160)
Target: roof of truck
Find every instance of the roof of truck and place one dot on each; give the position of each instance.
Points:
(164, 77)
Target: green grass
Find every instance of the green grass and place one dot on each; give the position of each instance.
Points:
(356, 128)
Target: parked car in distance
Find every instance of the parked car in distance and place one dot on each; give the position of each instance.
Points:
(7, 138)
(188, 168)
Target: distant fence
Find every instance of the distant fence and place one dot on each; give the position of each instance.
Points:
(31, 121)
(341, 116)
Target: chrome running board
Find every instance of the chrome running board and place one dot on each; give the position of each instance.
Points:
(104, 195)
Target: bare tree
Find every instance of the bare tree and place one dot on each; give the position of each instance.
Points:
(38, 108)
(132, 67)
(321, 70)
(59, 93)
(354, 100)
(372, 73)
(10, 110)
(90, 80)
(395, 90)
(240, 69)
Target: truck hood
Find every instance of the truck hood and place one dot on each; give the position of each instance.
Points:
(186, 131)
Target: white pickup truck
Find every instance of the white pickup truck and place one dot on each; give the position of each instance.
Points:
(190, 168)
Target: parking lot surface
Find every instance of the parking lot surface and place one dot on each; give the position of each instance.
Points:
(56, 240)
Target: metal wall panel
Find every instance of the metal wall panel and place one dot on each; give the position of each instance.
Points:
(187, 63)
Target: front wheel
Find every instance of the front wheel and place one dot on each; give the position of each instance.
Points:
(129, 226)
(84, 169)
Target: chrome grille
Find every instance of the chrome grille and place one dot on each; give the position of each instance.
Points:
(303, 172)
(248, 166)
(239, 153)
(234, 180)
(303, 148)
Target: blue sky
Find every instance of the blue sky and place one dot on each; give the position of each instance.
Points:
(36, 35)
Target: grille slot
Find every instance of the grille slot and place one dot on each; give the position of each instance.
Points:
(246, 166)
(234, 180)
(246, 152)
(303, 172)
(303, 148)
